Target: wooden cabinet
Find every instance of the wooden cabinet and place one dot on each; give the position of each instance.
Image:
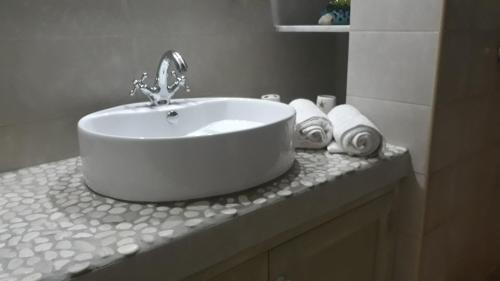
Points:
(348, 249)
(255, 269)
(355, 246)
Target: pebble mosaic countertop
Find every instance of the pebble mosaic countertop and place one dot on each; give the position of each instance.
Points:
(53, 227)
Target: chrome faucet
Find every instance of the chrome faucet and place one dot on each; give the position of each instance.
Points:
(161, 92)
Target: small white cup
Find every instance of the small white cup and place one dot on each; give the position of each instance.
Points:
(272, 97)
(326, 103)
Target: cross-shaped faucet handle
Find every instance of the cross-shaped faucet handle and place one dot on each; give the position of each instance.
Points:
(139, 83)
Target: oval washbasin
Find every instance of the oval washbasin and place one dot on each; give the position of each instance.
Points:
(192, 148)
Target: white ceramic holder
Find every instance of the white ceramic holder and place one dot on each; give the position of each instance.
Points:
(272, 97)
(326, 102)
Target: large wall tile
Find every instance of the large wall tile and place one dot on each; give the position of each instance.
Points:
(42, 79)
(448, 135)
(230, 65)
(456, 11)
(29, 19)
(402, 124)
(453, 72)
(401, 15)
(483, 64)
(439, 201)
(297, 12)
(27, 144)
(406, 262)
(487, 15)
(192, 17)
(406, 64)
(411, 204)
(435, 255)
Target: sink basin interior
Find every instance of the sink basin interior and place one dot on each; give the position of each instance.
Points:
(194, 119)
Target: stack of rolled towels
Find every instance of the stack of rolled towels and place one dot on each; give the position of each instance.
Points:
(343, 130)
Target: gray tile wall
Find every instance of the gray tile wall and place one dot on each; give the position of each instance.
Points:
(461, 230)
(61, 59)
(392, 68)
(426, 72)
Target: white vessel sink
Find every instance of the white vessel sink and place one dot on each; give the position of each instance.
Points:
(189, 149)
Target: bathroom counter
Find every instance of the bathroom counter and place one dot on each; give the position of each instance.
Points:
(53, 228)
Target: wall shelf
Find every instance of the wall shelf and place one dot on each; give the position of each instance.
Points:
(313, 28)
(301, 16)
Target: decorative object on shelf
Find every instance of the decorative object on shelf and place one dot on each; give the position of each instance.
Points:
(337, 12)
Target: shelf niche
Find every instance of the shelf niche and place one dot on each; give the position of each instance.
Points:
(301, 16)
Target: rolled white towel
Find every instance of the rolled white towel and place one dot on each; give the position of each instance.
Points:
(354, 134)
(312, 129)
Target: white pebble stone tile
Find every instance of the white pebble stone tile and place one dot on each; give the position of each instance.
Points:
(166, 233)
(14, 241)
(148, 238)
(14, 263)
(105, 252)
(66, 253)
(141, 219)
(176, 211)
(135, 207)
(78, 268)
(243, 199)
(162, 208)
(125, 241)
(149, 230)
(284, 193)
(191, 214)
(43, 247)
(103, 208)
(33, 277)
(83, 257)
(139, 226)
(26, 253)
(104, 227)
(171, 223)
(124, 226)
(112, 219)
(82, 235)
(117, 210)
(84, 246)
(146, 212)
(127, 233)
(103, 234)
(30, 236)
(58, 264)
(40, 240)
(108, 240)
(230, 212)
(77, 227)
(198, 206)
(259, 201)
(193, 222)
(50, 255)
(33, 260)
(129, 249)
(209, 213)
(160, 215)
(23, 271)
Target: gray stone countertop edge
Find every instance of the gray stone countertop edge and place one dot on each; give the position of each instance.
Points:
(208, 246)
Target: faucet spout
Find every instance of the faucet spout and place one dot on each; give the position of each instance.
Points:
(162, 92)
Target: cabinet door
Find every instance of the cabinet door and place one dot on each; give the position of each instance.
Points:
(255, 269)
(345, 249)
